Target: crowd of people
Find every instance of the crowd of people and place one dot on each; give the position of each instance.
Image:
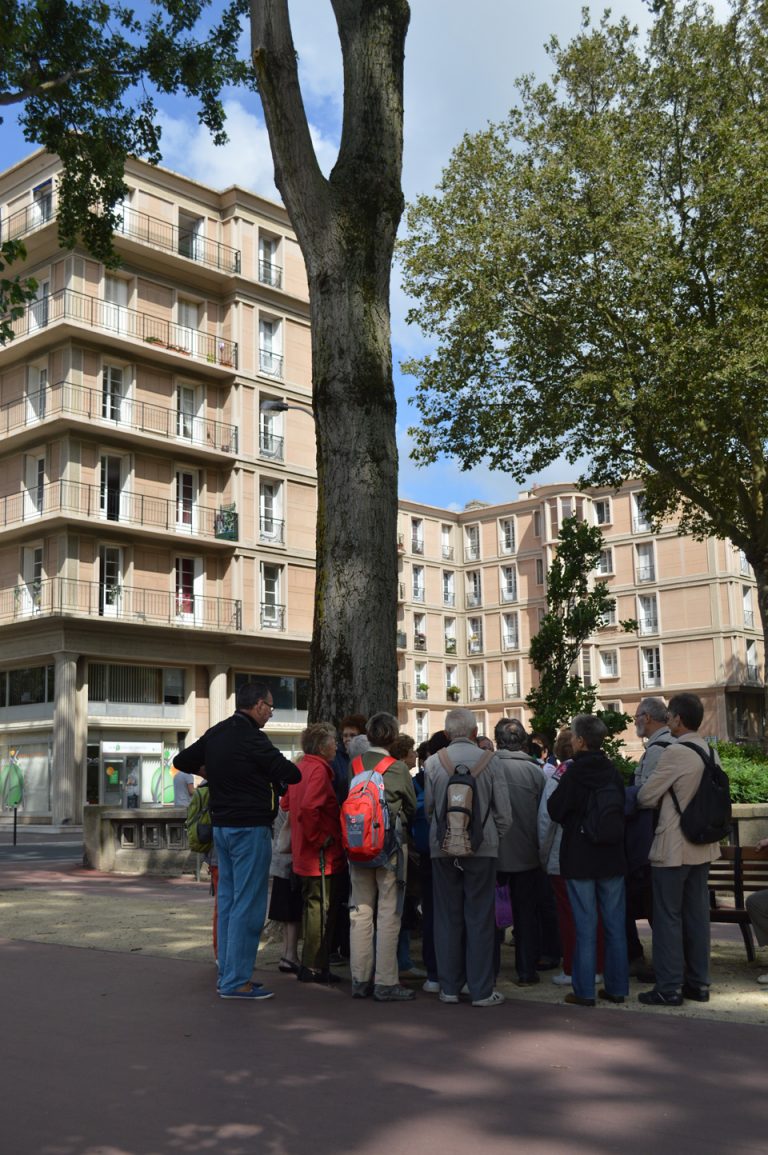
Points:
(555, 836)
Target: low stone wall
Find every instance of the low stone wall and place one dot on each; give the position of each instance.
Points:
(152, 840)
(752, 821)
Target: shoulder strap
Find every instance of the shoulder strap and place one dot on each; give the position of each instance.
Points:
(382, 765)
(709, 762)
(475, 771)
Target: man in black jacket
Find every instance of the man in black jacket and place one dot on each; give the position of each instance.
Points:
(246, 775)
(593, 864)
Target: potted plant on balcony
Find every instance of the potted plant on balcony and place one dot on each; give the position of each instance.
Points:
(420, 641)
(452, 693)
(450, 645)
(422, 687)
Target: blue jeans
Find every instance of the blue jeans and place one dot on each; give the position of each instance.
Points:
(244, 855)
(586, 895)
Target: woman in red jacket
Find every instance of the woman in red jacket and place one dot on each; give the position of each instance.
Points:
(318, 856)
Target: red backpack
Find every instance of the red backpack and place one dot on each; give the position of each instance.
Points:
(367, 831)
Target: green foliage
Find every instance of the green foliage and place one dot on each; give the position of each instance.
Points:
(747, 770)
(576, 606)
(593, 272)
(14, 292)
(84, 75)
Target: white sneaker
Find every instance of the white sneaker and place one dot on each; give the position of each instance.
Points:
(431, 987)
(495, 998)
(444, 998)
(465, 989)
(561, 980)
(598, 980)
(763, 980)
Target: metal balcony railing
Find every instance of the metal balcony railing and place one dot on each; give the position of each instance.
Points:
(270, 274)
(419, 642)
(476, 693)
(749, 619)
(510, 642)
(421, 694)
(509, 593)
(417, 545)
(640, 524)
(185, 242)
(401, 640)
(418, 593)
(471, 553)
(271, 530)
(67, 400)
(405, 691)
(648, 625)
(473, 600)
(69, 305)
(68, 597)
(448, 552)
(449, 598)
(27, 220)
(651, 680)
(272, 616)
(646, 573)
(401, 591)
(271, 446)
(512, 688)
(450, 645)
(75, 499)
(270, 363)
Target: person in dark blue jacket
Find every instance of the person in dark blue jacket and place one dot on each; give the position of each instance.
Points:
(594, 871)
(246, 775)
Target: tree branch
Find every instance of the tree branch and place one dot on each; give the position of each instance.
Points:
(38, 88)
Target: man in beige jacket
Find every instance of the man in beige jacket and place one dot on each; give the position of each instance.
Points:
(679, 868)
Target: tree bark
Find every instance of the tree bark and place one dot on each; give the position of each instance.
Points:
(346, 226)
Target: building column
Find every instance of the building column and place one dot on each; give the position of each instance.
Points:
(66, 770)
(217, 694)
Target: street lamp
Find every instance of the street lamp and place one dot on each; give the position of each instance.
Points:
(282, 406)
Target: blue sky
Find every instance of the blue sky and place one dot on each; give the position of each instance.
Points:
(461, 64)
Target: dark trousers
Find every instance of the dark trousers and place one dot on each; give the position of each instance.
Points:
(318, 924)
(427, 917)
(465, 924)
(680, 926)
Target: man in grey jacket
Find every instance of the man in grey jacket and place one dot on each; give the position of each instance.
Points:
(465, 888)
(519, 847)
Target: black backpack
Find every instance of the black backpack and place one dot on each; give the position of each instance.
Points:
(707, 817)
(603, 820)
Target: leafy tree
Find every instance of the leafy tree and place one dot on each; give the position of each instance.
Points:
(80, 71)
(576, 606)
(594, 271)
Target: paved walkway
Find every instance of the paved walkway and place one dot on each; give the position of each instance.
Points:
(124, 1049)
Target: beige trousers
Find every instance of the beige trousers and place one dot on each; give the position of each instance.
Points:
(373, 903)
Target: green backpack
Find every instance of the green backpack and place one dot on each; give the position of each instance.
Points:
(198, 822)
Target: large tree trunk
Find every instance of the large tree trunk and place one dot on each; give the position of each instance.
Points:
(346, 227)
(761, 577)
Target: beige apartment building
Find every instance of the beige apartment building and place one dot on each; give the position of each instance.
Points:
(473, 589)
(156, 523)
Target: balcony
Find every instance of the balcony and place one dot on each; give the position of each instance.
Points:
(648, 625)
(471, 553)
(640, 524)
(450, 645)
(270, 274)
(185, 242)
(66, 597)
(510, 642)
(27, 220)
(96, 314)
(509, 594)
(271, 446)
(651, 680)
(271, 531)
(418, 593)
(270, 363)
(417, 545)
(646, 573)
(476, 693)
(272, 616)
(401, 640)
(401, 543)
(449, 598)
(506, 545)
(512, 688)
(419, 641)
(474, 644)
(73, 499)
(421, 690)
(401, 591)
(474, 600)
(749, 619)
(448, 553)
(74, 402)
(405, 691)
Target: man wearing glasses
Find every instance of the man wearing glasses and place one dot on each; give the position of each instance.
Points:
(246, 775)
(651, 724)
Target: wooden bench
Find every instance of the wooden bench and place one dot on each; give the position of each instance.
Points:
(741, 871)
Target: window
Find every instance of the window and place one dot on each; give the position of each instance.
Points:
(609, 616)
(419, 631)
(30, 686)
(744, 566)
(602, 511)
(449, 635)
(650, 661)
(30, 596)
(474, 589)
(640, 520)
(136, 685)
(40, 311)
(185, 587)
(422, 726)
(539, 571)
(42, 203)
(116, 315)
(272, 611)
(474, 635)
(271, 525)
(420, 684)
(647, 614)
(508, 583)
(186, 488)
(451, 681)
(270, 432)
(112, 392)
(288, 694)
(476, 684)
(189, 337)
(34, 495)
(511, 679)
(446, 543)
(605, 561)
(270, 347)
(644, 562)
(270, 272)
(449, 590)
(753, 670)
(471, 542)
(507, 535)
(417, 535)
(749, 612)
(112, 475)
(37, 391)
(418, 583)
(191, 236)
(609, 664)
(510, 634)
(110, 581)
(537, 523)
(187, 405)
